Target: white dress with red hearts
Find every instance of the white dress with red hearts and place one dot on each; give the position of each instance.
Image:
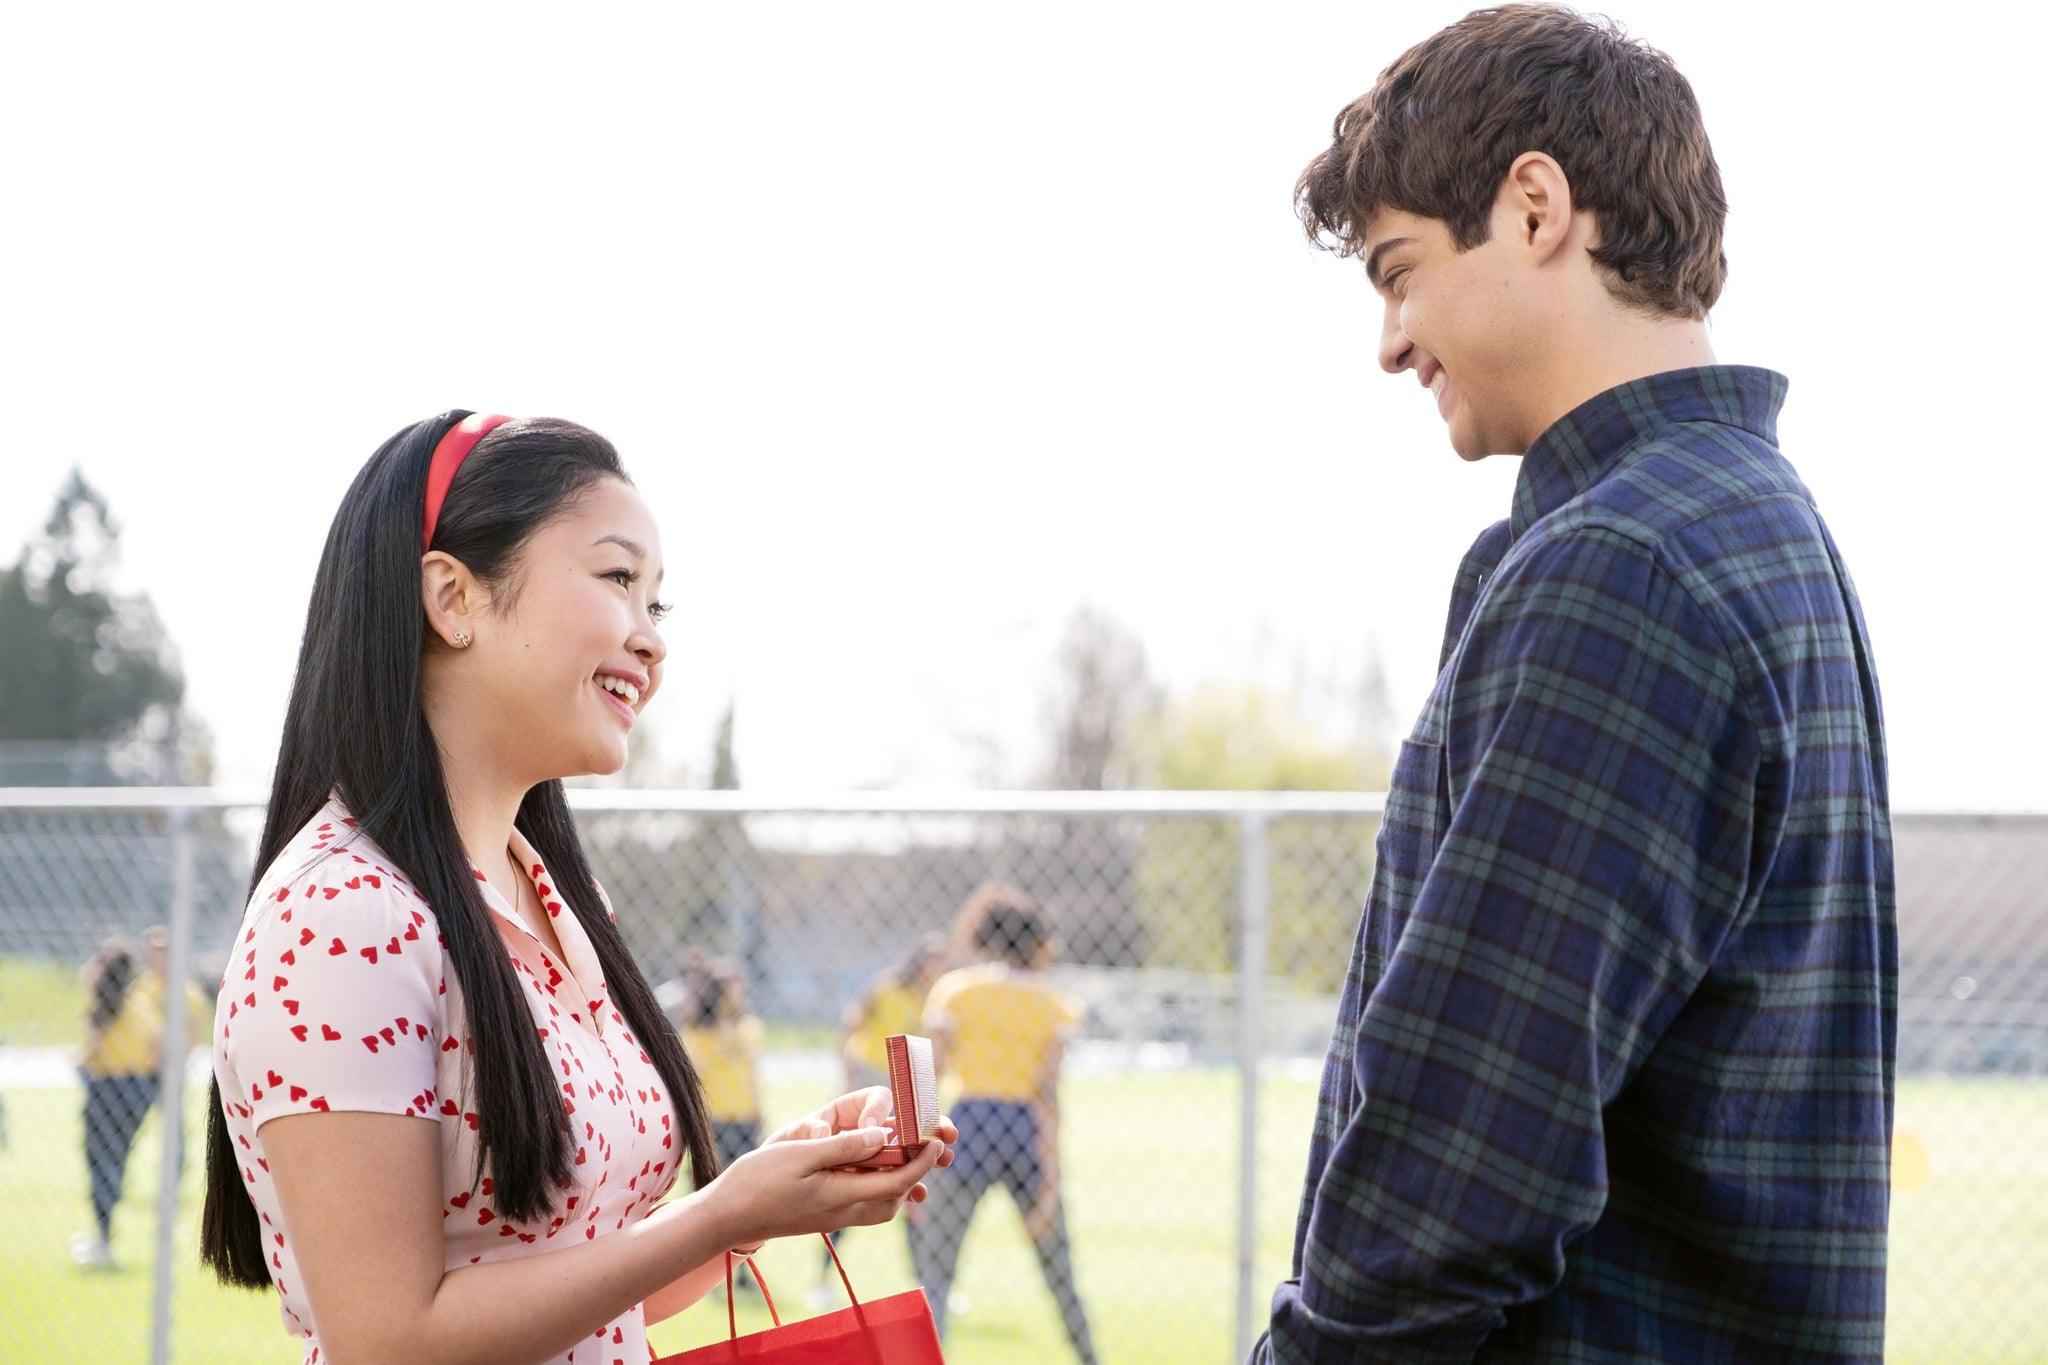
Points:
(339, 997)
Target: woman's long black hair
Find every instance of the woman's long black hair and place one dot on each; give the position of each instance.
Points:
(356, 728)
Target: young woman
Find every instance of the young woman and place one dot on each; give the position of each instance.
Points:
(447, 1107)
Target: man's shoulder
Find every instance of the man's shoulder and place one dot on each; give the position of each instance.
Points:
(1715, 506)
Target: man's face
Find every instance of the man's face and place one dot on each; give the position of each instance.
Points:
(1463, 322)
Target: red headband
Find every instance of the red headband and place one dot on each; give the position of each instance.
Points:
(448, 457)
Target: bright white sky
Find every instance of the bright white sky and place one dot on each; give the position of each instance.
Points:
(919, 326)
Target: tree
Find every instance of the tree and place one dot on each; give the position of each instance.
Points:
(1252, 739)
(721, 899)
(91, 694)
(85, 670)
(1101, 686)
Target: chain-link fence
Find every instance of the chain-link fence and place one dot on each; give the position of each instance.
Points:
(1199, 939)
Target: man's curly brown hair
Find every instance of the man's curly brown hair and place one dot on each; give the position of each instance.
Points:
(1437, 132)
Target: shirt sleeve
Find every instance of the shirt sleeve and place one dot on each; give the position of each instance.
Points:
(338, 1005)
(1601, 771)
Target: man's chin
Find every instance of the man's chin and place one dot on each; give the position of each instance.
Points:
(1472, 447)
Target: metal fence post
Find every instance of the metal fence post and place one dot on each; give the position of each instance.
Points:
(1251, 1009)
(171, 1084)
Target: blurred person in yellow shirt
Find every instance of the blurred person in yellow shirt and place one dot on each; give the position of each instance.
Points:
(892, 1002)
(998, 1029)
(723, 1041)
(121, 1064)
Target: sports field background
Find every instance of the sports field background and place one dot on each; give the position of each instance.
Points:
(1151, 1157)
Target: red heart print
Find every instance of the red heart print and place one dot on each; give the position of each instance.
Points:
(371, 953)
(329, 1034)
(306, 936)
(291, 1007)
(332, 891)
(298, 1093)
(461, 1201)
(289, 957)
(336, 948)
(278, 983)
(299, 1032)
(318, 1102)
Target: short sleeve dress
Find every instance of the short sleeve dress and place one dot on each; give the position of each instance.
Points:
(339, 996)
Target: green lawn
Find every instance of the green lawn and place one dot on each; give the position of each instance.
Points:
(43, 1005)
(1152, 1180)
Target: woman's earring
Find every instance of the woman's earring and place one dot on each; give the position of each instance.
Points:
(462, 639)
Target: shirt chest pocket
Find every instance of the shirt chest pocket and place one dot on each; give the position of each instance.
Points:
(1418, 811)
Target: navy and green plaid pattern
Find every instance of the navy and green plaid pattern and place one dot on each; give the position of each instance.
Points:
(1611, 1078)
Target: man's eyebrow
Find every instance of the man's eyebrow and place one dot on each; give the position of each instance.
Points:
(1372, 262)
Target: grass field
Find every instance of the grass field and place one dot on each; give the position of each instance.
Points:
(1152, 1178)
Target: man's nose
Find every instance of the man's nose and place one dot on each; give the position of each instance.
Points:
(1397, 352)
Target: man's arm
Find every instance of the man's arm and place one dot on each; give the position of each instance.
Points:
(1601, 772)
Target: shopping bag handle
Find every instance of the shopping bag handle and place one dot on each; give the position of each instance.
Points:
(732, 1323)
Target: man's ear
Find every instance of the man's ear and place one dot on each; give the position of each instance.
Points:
(452, 596)
(1536, 199)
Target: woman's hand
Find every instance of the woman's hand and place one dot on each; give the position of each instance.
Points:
(795, 1183)
(867, 1107)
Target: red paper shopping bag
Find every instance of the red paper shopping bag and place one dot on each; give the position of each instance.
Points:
(897, 1330)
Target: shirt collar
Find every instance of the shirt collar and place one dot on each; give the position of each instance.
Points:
(587, 977)
(1586, 444)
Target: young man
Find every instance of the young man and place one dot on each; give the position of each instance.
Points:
(1611, 1078)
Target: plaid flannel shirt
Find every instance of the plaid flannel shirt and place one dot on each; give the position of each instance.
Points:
(1611, 1078)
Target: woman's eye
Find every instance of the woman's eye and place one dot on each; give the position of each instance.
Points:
(657, 610)
(625, 578)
